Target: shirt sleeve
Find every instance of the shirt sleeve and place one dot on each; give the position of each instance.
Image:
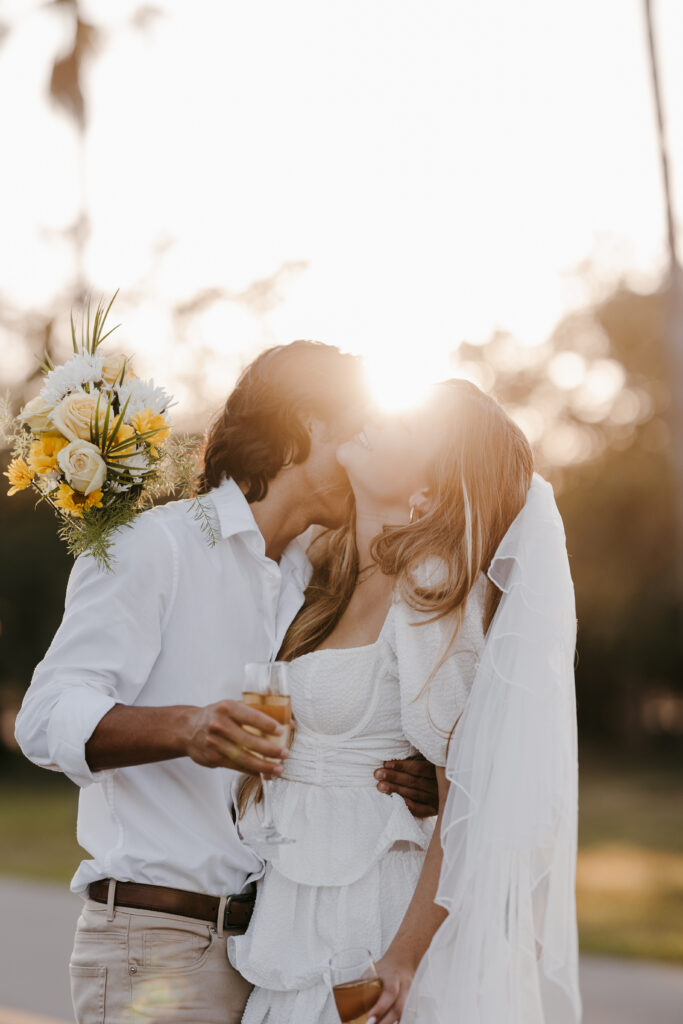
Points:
(104, 650)
(432, 701)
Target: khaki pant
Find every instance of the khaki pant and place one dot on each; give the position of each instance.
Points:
(143, 966)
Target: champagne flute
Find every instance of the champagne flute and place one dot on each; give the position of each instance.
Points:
(266, 688)
(355, 984)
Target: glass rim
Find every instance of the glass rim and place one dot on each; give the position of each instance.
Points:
(357, 956)
(266, 677)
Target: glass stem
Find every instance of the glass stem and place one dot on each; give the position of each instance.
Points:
(268, 823)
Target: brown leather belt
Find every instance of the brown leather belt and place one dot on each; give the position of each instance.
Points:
(136, 896)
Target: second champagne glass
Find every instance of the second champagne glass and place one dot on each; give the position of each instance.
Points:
(266, 688)
(355, 984)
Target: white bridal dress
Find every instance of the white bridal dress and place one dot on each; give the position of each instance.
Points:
(350, 875)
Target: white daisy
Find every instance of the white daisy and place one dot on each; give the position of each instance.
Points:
(137, 464)
(118, 488)
(71, 376)
(143, 394)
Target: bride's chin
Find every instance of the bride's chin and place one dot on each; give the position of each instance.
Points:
(345, 454)
(350, 458)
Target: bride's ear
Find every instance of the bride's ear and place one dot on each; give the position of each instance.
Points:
(421, 502)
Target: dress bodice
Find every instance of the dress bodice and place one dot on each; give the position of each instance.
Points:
(347, 707)
(355, 708)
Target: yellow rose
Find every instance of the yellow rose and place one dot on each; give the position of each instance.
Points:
(73, 503)
(112, 368)
(76, 412)
(83, 466)
(123, 434)
(150, 420)
(43, 457)
(19, 475)
(36, 415)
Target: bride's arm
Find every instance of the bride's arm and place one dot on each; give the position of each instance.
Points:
(422, 919)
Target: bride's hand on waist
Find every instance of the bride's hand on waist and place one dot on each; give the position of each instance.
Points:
(415, 780)
(397, 976)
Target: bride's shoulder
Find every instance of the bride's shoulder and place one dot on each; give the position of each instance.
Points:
(436, 661)
(432, 574)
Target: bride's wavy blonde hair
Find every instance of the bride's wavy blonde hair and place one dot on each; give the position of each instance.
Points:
(478, 484)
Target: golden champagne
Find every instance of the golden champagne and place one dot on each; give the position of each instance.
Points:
(355, 999)
(275, 705)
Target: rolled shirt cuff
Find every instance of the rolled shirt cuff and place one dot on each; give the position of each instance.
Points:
(73, 720)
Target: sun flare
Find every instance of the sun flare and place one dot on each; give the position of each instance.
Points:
(396, 386)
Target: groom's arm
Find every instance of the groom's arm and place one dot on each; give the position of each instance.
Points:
(213, 736)
(79, 715)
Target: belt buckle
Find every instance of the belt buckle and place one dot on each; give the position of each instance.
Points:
(226, 912)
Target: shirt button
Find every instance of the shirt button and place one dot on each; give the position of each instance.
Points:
(132, 969)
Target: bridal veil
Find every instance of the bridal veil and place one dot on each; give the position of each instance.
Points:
(507, 953)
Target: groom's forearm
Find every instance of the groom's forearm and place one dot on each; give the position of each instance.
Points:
(128, 736)
(215, 736)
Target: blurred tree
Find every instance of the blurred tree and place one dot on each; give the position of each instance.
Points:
(674, 327)
(616, 490)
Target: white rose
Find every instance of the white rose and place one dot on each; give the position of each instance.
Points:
(83, 466)
(112, 368)
(75, 413)
(36, 415)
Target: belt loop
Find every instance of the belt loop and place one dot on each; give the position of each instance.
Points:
(111, 895)
(221, 915)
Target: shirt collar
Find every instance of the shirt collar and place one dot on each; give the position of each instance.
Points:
(234, 514)
(295, 562)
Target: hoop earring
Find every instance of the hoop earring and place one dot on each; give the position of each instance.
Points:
(411, 518)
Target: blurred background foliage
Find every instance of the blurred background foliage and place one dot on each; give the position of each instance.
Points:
(595, 399)
(598, 402)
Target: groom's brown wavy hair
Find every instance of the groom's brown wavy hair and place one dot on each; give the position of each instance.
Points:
(262, 427)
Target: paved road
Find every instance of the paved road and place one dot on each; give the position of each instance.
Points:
(36, 931)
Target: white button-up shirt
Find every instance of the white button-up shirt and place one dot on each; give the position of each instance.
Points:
(174, 623)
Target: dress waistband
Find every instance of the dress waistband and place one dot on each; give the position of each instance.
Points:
(347, 764)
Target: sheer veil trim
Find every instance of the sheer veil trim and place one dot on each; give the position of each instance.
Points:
(508, 951)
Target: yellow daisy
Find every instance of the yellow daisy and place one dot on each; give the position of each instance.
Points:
(75, 504)
(43, 457)
(150, 420)
(19, 475)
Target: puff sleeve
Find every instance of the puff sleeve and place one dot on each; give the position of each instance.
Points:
(431, 707)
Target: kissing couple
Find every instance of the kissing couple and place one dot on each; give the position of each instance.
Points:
(411, 573)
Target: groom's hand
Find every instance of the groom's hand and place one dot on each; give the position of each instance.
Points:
(218, 738)
(415, 780)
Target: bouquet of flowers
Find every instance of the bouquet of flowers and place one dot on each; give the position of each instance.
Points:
(95, 443)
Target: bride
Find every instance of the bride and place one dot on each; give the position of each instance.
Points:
(403, 645)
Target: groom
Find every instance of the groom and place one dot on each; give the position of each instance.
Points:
(138, 697)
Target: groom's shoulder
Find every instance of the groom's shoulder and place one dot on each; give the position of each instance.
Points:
(182, 520)
(173, 525)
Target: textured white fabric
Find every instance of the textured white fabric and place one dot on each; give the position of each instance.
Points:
(507, 952)
(348, 879)
(431, 706)
(173, 624)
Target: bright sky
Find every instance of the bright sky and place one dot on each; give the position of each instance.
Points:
(442, 169)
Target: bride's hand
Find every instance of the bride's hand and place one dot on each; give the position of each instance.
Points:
(397, 977)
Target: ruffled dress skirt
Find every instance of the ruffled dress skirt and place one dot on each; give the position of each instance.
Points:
(346, 881)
